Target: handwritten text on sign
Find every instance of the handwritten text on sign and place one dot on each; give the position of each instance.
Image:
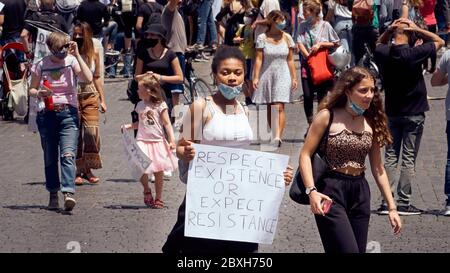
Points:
(137, 161)
(234, 194)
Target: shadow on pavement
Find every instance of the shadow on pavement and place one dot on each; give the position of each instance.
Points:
(121, 180)
(296, 140)
(25, 207)
(19, 121)
(434, 212)
(39, 207)
(130, 207)
(116, 80)
(34, 183)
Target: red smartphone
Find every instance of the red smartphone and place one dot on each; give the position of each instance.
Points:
(326, 205)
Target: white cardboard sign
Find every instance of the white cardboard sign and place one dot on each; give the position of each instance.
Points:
(234, 194)
(137, 161)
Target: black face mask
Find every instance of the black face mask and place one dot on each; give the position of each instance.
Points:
(79, 42)
(147, 42)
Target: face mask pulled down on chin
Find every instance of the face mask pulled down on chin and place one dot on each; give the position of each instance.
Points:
(229, 92)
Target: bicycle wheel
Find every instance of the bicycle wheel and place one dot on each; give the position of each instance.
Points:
(187, 94)
(201, 89)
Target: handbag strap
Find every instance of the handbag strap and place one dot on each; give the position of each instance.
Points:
(325, 136)
(318, 34)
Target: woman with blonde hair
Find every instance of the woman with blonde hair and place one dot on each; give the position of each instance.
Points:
(274, 74)
(91, 99)
(350, 125)
(54, 80)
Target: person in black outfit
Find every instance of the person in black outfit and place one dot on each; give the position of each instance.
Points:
(235, 18)
(45, 14)
(155, 58)
(405, 101)
(149, 12)
(92, 12)
(11, 19)
(129, 19)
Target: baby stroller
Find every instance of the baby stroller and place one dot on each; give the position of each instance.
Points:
(14, 84)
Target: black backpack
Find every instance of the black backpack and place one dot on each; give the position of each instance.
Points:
(156, 9)
(48, 17)
(132, 91)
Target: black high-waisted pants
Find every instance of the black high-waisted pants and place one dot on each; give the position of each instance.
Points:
(344, 228)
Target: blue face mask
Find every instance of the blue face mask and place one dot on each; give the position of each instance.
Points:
(281, 25)
(355, 108)
(229, 92)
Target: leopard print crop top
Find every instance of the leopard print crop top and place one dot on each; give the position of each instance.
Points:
(347, 149)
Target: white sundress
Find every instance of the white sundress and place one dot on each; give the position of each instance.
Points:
(275, 78)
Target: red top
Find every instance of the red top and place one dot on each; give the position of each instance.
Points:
(427, 11)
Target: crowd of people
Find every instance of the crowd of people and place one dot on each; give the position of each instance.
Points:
(254, 46)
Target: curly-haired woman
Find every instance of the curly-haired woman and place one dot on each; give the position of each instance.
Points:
(353, 125)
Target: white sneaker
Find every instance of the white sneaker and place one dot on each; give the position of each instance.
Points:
(446, 211)
(167, 174)
(69, 201)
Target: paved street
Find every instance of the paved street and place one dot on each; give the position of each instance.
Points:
(111, 216)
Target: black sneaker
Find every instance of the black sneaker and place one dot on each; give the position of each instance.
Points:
(408, 210)
(69, 201)
(53, 203)
(383, 210)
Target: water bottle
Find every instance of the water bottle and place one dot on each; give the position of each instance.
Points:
(49, 99)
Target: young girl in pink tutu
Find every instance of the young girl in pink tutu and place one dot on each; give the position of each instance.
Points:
(153, 122)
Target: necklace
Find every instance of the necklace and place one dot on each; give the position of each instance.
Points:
(154, 54)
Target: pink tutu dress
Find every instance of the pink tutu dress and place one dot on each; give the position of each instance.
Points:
(151, 139)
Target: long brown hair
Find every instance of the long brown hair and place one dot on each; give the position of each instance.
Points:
(375, 115)
(87, 49)
(273, 16)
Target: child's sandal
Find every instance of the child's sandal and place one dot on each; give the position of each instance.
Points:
(158, 204)
(148, 198)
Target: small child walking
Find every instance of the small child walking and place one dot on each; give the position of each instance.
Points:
(153, 122)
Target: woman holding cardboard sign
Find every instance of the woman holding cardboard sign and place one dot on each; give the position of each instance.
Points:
(208, 122)
(341, 201)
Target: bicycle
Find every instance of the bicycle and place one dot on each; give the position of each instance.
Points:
(194, 87)
(368, 62)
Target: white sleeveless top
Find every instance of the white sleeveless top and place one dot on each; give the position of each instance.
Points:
(232, 131)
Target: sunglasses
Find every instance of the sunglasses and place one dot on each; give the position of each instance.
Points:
(66, 46)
